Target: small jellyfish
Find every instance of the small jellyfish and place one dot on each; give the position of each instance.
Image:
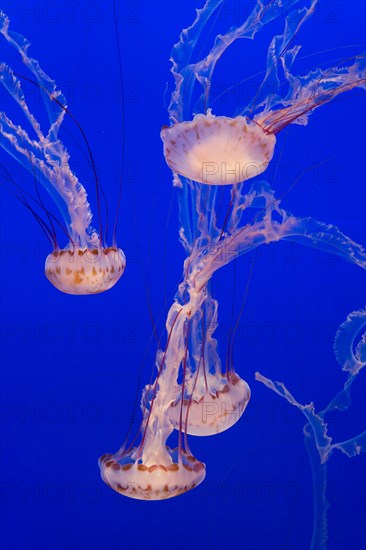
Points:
(86, 270)
(86, 265)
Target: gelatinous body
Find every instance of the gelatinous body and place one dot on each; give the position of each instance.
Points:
(85, 270)
(218, 150)
(153, 481)
(214, 409)
(45, 156)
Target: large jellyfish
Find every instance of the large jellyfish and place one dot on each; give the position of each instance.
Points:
(86, 265)
(194, 393)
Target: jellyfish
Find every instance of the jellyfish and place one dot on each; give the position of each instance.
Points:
(218, 150)
(86, 265)
(221, 150)
(194, 393)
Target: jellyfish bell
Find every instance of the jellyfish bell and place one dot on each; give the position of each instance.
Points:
(166, 476)
(218, 150)
(214, 409)
(85, 270)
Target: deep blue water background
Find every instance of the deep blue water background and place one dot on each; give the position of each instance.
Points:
(70, 365)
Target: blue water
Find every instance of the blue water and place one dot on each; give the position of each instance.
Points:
(72, 367)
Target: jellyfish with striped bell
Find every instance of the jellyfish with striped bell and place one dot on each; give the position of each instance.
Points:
(86, 265)
(169, 473)
(86, 270)
(194, 392)
(223, 150)
(213, 408)
(214, 398)
(218, 150)
(152, 470)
